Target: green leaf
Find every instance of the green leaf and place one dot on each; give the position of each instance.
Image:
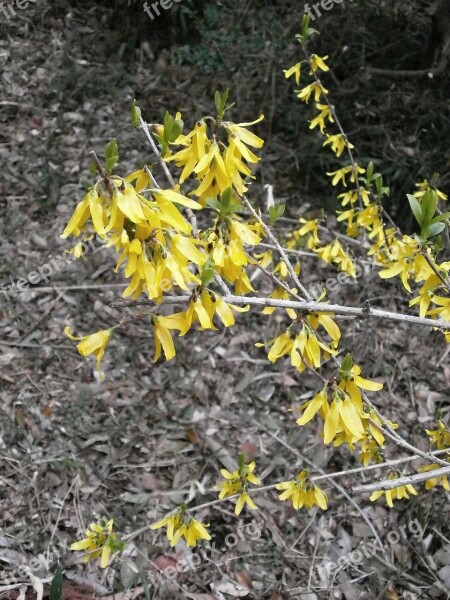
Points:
(428, 208)
(135, 114)
(369, 172)
(111, 155)
(234, 208)
(168, 126)
(227, 196)
(177, 128)
(416, 207)
(275, 212)
(435, 229)
(346, 367)
(228, 106)
(379, 184)
(207, 274)
(225, 97)
(56, 584)
(442, 217)
(217, 101)
(241, 461)
(220, 100)
(214, 204)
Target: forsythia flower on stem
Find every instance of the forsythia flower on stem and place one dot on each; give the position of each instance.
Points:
(303, 492)
(440, 436)
(344, 417)
(433, 482)
(237, 483)
(181, 524)
(397, 493)
(95, 344)
(101, 541)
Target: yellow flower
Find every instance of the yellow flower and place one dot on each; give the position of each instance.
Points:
(350, 197)
(404, 260)
(343, 416)
(318, 62)
(425, 187)
(440, 436)
(312, 407)
(95, 344)
(431, 483)
(172, 522)
(243, 138)
(369, 418)
(192, 532)
(315, 88)
(295, 70)
(163, 340)
(444, 308)
(334, 253)
(237, 483)
(244, 233)
(202, 308)
(310, 227)
(90, 206)
(341, 174)
(244, 499)
(196, 146)
(370, 451)
(423, 300)
(397, 493)
(101, 541)
(302, 492)
(181, 524)
(325, 113)
(338, 143)
(326, 321)
(280, 294)
(403, 267)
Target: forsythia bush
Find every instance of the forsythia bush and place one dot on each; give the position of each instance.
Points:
(195, 241)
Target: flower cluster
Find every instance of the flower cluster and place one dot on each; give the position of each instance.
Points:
(397, 493)
(101, 541)
(344, 417)
(182, 525)
(302, 492)
(162, 250)
(237, 483)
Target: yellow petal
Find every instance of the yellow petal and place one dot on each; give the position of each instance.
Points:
(163, 334)
(313, 407)
(106, 553)
(331, 422)
(172, 196)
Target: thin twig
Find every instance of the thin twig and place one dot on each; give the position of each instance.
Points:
(102, 172)
(390, 484)
(280, 249)
(311, 306)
